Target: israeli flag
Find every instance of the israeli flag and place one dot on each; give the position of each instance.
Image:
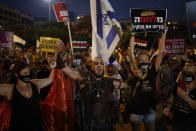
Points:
(105, 29)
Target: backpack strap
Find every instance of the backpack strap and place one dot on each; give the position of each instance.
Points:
(138, 84)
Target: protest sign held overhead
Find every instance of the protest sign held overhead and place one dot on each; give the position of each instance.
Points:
(62, 15)
(61, 12)
(47, 44)
(175, 46)
(6, 40)
(148, 20)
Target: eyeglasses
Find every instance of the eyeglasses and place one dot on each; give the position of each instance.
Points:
(97, 63)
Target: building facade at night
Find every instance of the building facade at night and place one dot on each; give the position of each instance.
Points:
(14, 16)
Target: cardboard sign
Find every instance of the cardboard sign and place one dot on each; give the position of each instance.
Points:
(148, 20)
(61, 12)
(191, 20)
(47, 44)
(175, 46)
(6, 40)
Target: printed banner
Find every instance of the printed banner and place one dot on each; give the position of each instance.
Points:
(80, 44)
(191, 20)
(175, 46)
(6, 40)
(144, 43)
(61, 12)
(47, 44)
(148, 20)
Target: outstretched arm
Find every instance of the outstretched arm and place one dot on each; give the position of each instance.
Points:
(5, 90)
(74, 74)
(161, 48)
(41, 83)
(131, 52)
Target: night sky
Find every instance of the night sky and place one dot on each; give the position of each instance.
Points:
(39, 8)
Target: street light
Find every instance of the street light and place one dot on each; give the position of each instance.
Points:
(49, 10)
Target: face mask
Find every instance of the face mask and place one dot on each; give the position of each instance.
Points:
(189, 77)
(25, 78)
(144, 66)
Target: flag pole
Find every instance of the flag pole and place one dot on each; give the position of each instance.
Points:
(70, 37)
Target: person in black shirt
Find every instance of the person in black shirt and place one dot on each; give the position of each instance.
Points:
(141, 103)
(24, 97)
(184, 105)
(99, 105)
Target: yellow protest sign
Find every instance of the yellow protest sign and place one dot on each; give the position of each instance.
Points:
(47, 44)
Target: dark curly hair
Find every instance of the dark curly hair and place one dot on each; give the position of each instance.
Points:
(18, 66)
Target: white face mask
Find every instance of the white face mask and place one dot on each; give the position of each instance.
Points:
(144, 66)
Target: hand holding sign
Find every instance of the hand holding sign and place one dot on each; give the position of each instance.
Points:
(59, 45)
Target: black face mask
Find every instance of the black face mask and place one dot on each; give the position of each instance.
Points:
(144, 66)
(25, 78)
(189, 77)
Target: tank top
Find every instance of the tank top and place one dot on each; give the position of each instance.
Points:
(26, 111)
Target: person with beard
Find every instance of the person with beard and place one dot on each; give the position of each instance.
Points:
(141, 102)
(99, 107)
(184, 100)
(24, 97)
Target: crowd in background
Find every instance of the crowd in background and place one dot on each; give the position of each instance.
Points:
(175, 90)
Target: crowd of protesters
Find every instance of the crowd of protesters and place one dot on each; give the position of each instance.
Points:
(148, 89)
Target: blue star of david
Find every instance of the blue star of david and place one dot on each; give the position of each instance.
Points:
(105, 22)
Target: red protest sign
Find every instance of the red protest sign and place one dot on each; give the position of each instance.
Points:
(175, 46)
(61, 12)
